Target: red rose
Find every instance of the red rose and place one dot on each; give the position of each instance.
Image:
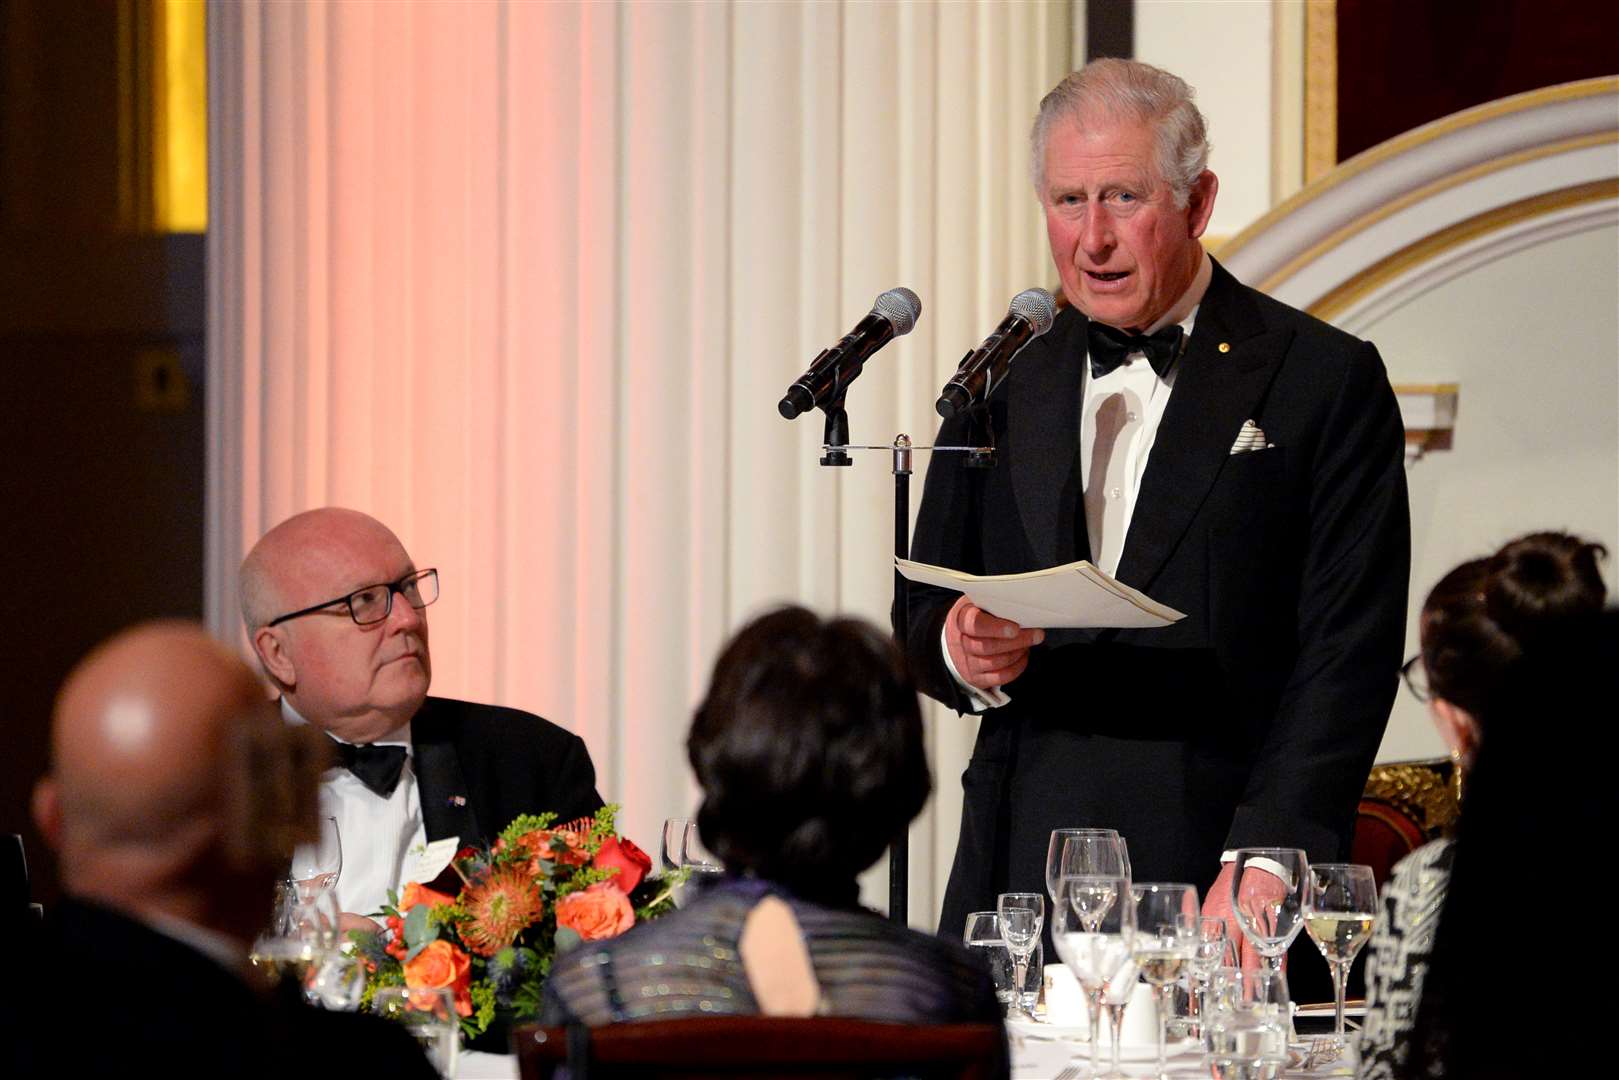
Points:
(601, 911)
(631, 862)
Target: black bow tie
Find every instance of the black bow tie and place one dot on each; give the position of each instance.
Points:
(377, 767)
(1109, 347)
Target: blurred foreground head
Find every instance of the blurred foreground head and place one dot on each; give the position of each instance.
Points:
(175, 788)
(808, 747)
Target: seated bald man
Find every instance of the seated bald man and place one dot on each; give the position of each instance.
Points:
(174, 799)
(336, 611)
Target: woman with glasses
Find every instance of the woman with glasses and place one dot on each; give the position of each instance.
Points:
(1477, 627)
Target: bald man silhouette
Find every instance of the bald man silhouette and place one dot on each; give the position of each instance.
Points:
(174, 798)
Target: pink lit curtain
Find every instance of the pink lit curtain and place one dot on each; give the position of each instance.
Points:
(525, 280)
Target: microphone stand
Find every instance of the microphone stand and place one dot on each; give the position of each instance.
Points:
(836, 449)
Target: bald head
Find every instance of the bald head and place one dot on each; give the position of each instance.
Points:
(146, 799)
(358, 682)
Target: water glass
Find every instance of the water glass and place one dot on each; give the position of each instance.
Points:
(1092, 927)
(1022, 918)
(683, 849)
(429, 1015)
(1246, 1025)
(317, 866)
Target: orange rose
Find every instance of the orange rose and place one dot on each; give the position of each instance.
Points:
(631, 862)
(541, 845)
(417, 893)
(601, 911)
(441, 965)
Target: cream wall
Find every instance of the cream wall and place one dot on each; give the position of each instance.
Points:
(1534, 342)
(1225, 51)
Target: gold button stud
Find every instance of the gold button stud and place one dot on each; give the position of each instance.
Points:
(1225, 346)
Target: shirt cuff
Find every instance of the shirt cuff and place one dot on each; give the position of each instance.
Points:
(978, 700)
(1259, 862)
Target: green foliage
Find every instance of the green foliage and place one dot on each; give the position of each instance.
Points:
(483, 1010)
(419, 929)
(567, 939)
(525, 824)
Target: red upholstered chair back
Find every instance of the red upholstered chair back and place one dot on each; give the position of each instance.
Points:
(758, 1046)
(1405, 805)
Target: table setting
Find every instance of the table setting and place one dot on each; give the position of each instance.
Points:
(1146, 986)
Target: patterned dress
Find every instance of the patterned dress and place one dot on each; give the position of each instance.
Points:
(1397, 959)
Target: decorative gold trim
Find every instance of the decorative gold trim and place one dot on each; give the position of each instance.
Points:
(1427, 133)
(1427, 191)
(1320, 88)
(1428, 792)
(1424, 250)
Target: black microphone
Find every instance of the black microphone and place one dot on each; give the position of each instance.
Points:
(982, 370)
(894, 314)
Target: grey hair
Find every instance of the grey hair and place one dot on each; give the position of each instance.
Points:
(1130, 90)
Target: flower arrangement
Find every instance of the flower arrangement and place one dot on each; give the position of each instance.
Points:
(537, 891)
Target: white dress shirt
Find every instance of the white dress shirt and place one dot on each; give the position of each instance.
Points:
(1118, 425)
(378, 834)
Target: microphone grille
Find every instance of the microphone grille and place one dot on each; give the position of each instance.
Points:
(1038, 307)
(901, 308)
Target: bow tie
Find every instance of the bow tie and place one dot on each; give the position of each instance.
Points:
(1109, 347)
(377, 767)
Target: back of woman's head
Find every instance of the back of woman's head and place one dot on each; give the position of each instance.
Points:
(1480, 618)
(808, 747)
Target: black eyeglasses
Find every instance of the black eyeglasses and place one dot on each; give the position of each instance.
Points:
(373, 603)
(1416, 678)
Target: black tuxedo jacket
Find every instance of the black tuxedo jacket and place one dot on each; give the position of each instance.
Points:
(479, 766)
(1256, 718)
(100, 994)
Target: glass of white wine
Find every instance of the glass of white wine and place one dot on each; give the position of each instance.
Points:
(1339, 910)
(1165, 941)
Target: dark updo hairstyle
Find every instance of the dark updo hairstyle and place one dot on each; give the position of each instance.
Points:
(1483, 615)
(809, 751)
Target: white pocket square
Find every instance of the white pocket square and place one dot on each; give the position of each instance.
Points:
(1250, 438)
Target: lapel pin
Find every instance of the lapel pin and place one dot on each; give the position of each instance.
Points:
(458, 800)
(1225, 346)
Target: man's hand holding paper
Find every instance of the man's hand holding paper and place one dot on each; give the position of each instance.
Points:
(987, 651)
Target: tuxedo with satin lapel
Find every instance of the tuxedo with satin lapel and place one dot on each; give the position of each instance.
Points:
(1256, 718)
(479, 766)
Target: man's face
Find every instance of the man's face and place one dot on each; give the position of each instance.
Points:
(1123, 249)
(359, 682)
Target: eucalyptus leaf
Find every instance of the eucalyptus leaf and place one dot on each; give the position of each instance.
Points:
(567, 939)
(418, 931)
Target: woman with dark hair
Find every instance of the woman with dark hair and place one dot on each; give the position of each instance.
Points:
(808, 748)
(1480, 626)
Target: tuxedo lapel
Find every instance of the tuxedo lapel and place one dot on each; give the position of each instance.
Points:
(446, 803)
(1215, 391)
(1045, 396)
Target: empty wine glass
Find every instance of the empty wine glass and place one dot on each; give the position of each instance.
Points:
(1339, 909)
(1267, 894)
(1091, 928)
(1211, 948)
(1022, 916)
(316, 867)
(429, 1015)
(683, 849)
(1072, 852)
(1166, 928)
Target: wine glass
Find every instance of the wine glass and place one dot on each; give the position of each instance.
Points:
(429, 1015)
(683, 849)
(1084, 851)
(1091, 928)
(1211, 948)
(1022, 916)
(316, 867)
(1267, 895)
(1339, 909)
(1166, 928)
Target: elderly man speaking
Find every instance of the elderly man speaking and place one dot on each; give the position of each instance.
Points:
(336, 611)
(1229, 456)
